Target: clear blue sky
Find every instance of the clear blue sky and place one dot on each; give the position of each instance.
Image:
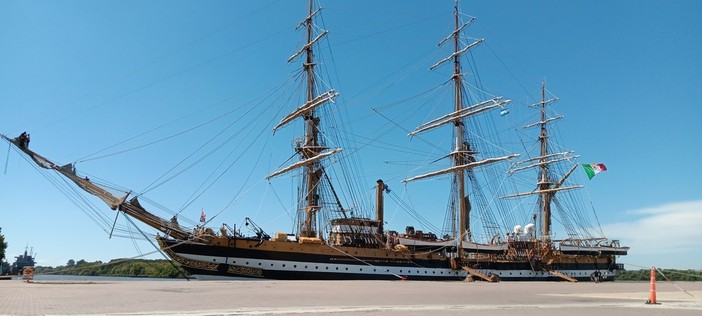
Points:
(81, 76)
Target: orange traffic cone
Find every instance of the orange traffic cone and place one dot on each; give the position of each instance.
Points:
(652, 291)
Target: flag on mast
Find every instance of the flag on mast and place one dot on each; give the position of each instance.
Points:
(203, 216)
(594, 168)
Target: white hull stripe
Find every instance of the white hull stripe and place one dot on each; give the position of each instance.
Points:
(314, 267)
(301, 266)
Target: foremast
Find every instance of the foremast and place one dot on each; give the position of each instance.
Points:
(311, 150)
(131, 208)
(462, 155)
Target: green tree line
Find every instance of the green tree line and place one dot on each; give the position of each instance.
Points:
(117, 268)
(4, 266)
(671, 274)
(3, 246)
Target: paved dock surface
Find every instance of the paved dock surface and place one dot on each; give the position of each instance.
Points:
(345, 298)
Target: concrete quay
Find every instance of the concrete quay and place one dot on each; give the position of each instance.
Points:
(345, 298)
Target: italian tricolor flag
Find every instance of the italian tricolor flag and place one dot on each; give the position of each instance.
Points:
(593, 168)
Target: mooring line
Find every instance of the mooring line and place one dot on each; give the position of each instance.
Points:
(671, 281)
(364, 262)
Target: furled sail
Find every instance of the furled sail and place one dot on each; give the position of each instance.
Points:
(307, 46)
(460, 114)
(303, 163)
(84, 183)
(540, 123)
(457, 31)
(456, 54)
(308, 106)
(134, 209)
(543, 160)
(543, 191)
(461, 167)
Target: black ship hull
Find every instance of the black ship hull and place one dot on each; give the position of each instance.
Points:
(210, 262)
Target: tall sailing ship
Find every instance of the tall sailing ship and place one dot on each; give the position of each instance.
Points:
(330, 242)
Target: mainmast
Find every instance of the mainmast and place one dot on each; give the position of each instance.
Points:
(462, 155)
(311, 150)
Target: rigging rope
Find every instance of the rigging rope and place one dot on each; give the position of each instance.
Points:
(668, 279)
(221, 174)
(118, 261)
(285, 208)
(361, 260)
(599, 226)
(7, 158)
(506, 68)
(416, 215)
(136, 247)
(671, 281)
